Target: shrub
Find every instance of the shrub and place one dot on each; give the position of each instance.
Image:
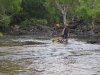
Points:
(41, 21)
(90, 27)
(32, 21)
(24, 23)
(1, 35)
(4, 22)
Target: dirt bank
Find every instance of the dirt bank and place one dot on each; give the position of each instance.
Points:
(49, 31)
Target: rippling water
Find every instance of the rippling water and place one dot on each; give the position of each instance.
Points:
(29, 55)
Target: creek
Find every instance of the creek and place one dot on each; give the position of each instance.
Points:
(35, 55)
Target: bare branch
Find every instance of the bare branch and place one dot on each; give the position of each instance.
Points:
(59, 7)
(62, 9)
(6, 18)
(3, 9)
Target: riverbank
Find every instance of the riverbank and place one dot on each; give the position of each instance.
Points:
(29, 30)
(43, 30)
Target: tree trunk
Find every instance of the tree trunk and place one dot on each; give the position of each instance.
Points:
(93, 27)
(64, 18)
(63, 10)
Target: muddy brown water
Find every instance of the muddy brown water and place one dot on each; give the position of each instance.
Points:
(32, 55)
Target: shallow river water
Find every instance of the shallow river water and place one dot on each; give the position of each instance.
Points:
(30, 55)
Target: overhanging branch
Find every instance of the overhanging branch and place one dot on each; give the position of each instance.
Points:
(6, 18)
(62, 9)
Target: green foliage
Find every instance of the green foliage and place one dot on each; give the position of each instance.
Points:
(53, 16)
(1, 35)
(90, 26)
(45, 11)
(24, 23)
(38, 21)
(41, 21)
(84, 13)
(33, 21)
(96, 11)
(67, 21)
(6, 20)
(7, 9)
(89, 10)
(64, 6)
(34, 8)
(9, 6)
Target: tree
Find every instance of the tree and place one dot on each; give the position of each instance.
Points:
(7, 9)
(34, 9)
(89, 10)
(53, 16)
(64, 7)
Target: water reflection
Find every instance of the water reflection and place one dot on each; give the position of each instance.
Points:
(47, 58)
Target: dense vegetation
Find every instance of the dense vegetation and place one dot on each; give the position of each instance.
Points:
(48, 12)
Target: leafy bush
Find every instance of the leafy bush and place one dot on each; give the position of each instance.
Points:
(90, 27)
(41, 21)
(67, 21)
(33, 21)
(1, 35)
(38, 21)
(24, 23)
(5, 20)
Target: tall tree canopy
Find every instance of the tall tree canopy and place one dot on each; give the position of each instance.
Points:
(53, 16)
(34, 8)
(7, 9)
(64, 7)
(89, 10)
(54, 11)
